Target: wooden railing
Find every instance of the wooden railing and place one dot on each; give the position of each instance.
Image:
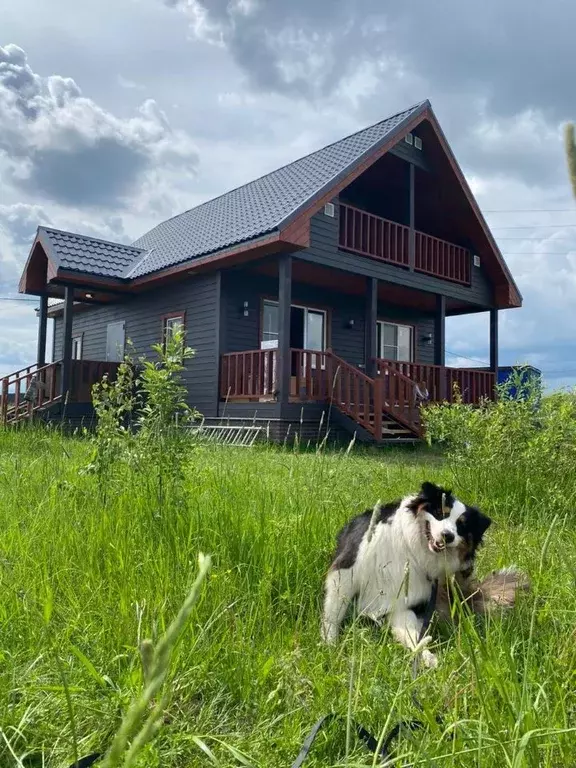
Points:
(311, 374)
(374, 236)
(473, 385)
(353, 392)
(84, 374)
(248, 375)
(28, 390)
(379, 238)
(322, 376)
(441, 259)
(368, 400)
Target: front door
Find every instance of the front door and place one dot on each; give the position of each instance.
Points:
(307, 331)
(115, 341)
(307, 327)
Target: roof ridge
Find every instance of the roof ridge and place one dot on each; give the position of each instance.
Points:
(89, 237)
(292, 162)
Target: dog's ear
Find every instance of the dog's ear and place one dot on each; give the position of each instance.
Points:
(478, 524)
(433, 495)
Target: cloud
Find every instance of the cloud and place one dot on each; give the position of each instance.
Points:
(498, 53)
(62, 146)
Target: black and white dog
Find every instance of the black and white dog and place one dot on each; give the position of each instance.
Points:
(388, 558)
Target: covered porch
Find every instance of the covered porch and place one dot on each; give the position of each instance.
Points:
(372, 349)
(65, 384)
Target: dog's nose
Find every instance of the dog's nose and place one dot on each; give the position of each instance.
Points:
(448, 537)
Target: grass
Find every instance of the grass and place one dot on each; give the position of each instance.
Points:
(87, 572)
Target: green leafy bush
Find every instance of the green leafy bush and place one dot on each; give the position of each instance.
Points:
(522, 445)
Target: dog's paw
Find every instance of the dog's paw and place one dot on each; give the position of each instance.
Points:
(329, 635)
(430, 659)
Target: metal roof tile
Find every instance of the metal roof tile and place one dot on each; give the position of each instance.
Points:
(245, 213)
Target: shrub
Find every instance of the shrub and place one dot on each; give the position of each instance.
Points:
(139, 414)
(520, 448)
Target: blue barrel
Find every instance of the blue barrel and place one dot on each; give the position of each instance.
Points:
(520, 374)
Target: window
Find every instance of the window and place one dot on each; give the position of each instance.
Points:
(395, 342)
(77, 347)
(269, 333)
(170, 324)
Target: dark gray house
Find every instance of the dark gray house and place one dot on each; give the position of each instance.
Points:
(321, 287)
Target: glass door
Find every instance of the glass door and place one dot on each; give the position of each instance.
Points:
(307, 327)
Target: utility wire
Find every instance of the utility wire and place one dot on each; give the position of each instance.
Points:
(531, 210)
(8, 298)
(537, 226)
(463, 357)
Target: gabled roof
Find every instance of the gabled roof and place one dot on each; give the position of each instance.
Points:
(87, 254)
(268, 215)
(260, 206)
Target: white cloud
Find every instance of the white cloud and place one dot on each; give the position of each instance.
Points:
(59, 145)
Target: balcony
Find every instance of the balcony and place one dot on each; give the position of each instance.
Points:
(378, 238)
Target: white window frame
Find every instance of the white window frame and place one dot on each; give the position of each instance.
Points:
(306, 309)
(77, 344)
(380, 333)
(315, 310)
(170, 322)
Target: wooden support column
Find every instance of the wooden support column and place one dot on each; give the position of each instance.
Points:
(494, 343)
(67, 341)
(440, 343)
(370, 331)
(411, 221)
(283, 365)
(42, 327)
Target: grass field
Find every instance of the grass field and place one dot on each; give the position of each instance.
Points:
(87, 572)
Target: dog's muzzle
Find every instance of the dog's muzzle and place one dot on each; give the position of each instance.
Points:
(438, 546)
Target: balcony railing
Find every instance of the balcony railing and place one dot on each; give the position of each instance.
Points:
(379, 238)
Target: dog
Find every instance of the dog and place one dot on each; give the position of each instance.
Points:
(388, 558)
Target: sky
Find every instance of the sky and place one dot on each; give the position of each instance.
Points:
(118, 114)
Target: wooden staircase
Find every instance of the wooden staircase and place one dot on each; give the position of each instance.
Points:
(379, 409)
(37, 391)
(28, 391)
(384, 406)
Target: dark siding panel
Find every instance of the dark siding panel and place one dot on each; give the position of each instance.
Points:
(142, 314)
(411, 154)
(243, 333)
(324, 250)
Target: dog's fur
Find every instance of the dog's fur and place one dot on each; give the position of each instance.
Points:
(388, 558)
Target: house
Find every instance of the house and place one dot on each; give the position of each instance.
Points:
(323, 286)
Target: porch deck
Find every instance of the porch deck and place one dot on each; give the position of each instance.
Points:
(44, 387)
(392, 397)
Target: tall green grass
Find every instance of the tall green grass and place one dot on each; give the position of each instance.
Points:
(87, 572)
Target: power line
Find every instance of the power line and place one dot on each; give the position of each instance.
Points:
(8, 298)
(531, 210)
(537, 226)
(523, 239)
(463, 357)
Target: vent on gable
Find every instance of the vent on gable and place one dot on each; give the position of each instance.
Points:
(476, 260)
(409, 139)
(417, 142)
(329, 210)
